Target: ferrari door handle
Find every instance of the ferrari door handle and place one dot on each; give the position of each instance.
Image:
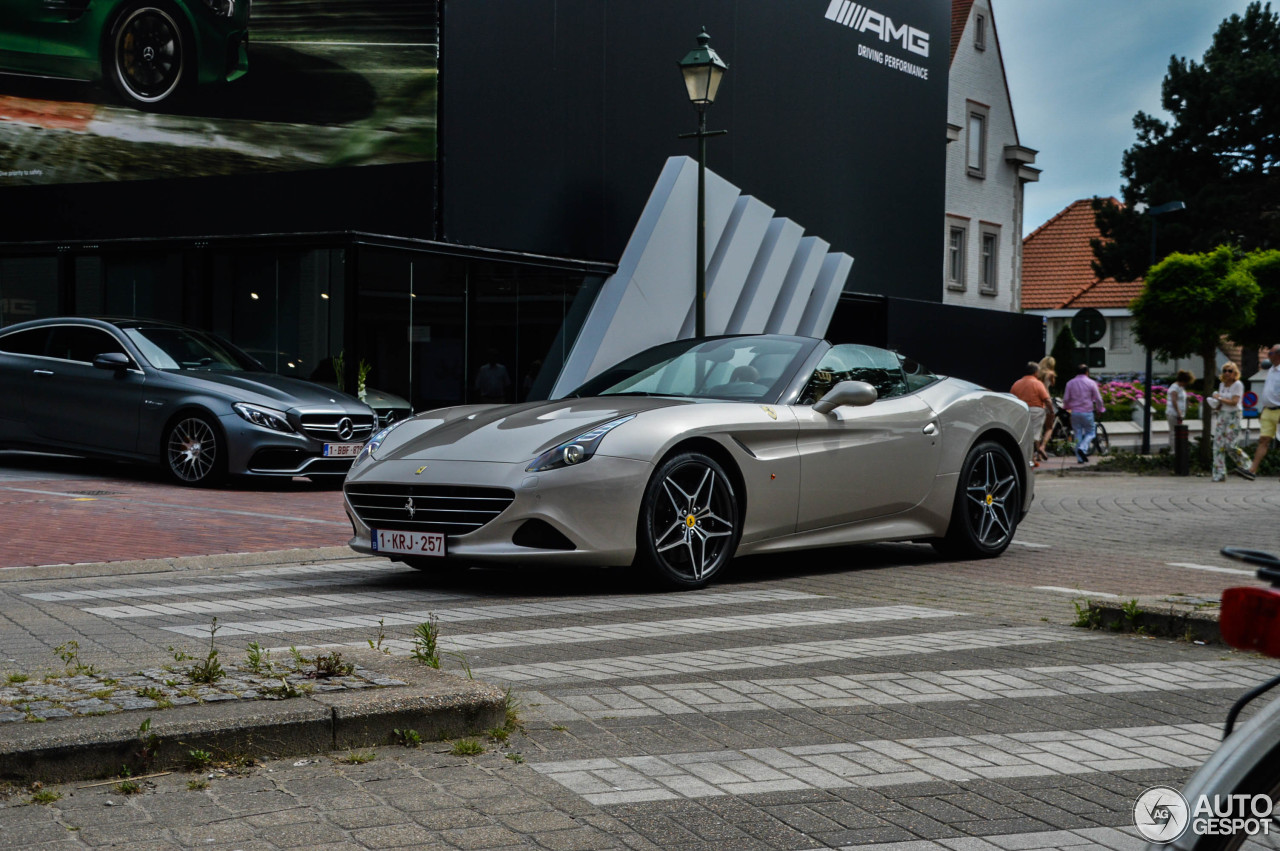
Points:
(42, 372)
(930, 429)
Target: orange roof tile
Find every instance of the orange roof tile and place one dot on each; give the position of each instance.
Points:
(959, 18)
(1057, 271)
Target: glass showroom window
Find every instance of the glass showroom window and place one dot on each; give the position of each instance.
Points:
(955, 259)
(976, 155)
(990, 278)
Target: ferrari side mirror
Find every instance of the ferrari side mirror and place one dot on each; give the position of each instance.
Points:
(857, 393)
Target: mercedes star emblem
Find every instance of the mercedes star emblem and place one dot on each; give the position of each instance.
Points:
(346, 428)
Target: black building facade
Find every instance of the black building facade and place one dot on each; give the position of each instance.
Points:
(425, 187)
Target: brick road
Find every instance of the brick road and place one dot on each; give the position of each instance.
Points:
(846, 698)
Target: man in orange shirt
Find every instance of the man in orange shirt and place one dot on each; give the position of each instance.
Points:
(1030, 389)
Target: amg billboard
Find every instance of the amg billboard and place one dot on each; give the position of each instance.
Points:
(557, 116)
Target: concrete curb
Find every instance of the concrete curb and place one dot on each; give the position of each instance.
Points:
(435, 704)
(1164, 621)
(160, 565)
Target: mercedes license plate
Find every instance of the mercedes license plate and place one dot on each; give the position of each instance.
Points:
(342, 450)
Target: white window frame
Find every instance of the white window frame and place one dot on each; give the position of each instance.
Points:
(980, 32)
(1120, 334)
(956, 255)
(975, 150)
(989, 264)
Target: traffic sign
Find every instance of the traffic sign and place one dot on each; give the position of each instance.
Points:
(1095, 357)
(1088, 326)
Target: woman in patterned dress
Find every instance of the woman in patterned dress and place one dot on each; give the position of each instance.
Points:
(1226, 426)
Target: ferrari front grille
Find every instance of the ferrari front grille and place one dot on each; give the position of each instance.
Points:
(451, 509)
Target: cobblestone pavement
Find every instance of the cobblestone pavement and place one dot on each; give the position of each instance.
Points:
(868, 697)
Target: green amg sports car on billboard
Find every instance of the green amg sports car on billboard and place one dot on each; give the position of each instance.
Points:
(149, 50)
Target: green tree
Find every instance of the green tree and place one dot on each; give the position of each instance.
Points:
(1264, 266)
(1188, 303)
(1220, 153)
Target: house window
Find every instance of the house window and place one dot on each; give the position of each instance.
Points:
(955, 258)
(976, 154)
(990, 262)
(1121, 338)
(980, 32)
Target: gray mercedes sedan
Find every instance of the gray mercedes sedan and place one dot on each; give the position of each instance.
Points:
(145, 390)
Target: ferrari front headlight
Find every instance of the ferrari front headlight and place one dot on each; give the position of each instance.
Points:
(371, 448)
(574, 451)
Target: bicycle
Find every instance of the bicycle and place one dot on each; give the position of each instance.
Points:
(1248, 761)
(1062, 440)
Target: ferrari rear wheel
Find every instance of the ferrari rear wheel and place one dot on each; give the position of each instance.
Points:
(689, 521)
(988, 503)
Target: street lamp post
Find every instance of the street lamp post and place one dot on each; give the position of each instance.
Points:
(703, 70)
(1153, 212)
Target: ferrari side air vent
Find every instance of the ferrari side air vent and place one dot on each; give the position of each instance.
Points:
(540, 535)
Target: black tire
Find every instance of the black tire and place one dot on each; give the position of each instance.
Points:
(690, 522)
(1101, 442)
(194, 451)
(148, 59)
(988, 503)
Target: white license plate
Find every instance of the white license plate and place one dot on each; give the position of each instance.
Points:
(342, 450)
(408, 543)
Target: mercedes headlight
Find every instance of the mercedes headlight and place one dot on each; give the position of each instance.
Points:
(574, 451)
(265, 417)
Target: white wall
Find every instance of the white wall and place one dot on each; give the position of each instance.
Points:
(995, 199)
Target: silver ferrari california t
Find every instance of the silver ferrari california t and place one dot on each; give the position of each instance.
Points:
(695, 451)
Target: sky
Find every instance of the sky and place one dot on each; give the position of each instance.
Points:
(1079, 70)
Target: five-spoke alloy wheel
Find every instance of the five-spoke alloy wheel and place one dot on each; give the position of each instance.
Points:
(147, 63)
(988, 504)
(689, 521)
(193, 451)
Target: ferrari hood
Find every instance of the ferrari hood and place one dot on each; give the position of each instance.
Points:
(511, 433)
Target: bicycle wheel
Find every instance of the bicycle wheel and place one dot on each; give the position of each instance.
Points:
(1101, 441)
(1061, 440)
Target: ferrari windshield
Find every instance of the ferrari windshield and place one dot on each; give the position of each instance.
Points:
(740, 369)
(183, 349)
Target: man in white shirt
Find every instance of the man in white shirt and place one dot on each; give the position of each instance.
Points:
(1269, 405)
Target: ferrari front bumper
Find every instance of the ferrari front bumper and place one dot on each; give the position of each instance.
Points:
(595, 505)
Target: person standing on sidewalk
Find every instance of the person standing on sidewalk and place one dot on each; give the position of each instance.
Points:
(1175, 409)
(1083, 400)
(1048, 375)
(1269, 416)
(1030, 389)
(1226, 425)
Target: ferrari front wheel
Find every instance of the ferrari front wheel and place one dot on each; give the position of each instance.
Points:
(987, 505)
(689, 521)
